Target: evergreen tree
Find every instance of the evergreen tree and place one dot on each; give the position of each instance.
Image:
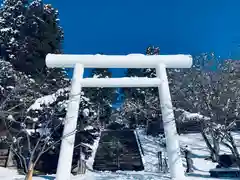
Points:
(17, 90)
(102, 97)
(28, 31)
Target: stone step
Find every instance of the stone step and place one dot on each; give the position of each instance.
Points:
(130, 158)
(3, 157)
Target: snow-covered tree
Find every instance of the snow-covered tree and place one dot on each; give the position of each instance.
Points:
(38, 130)
(102, 97)
(134, 112)
(28, 31)
(213, 94)
(18, 91)
(33, 105)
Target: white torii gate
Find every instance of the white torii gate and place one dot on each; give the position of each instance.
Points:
(79, 62)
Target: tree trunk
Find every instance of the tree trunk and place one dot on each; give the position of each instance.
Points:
(189, 162)
(147, 124)
(212, 150)
(216, 148)
(160, 161)
(98, 115)
(233, 145)
(104, 125)
(9, 161)
(136, 120)
(30, 172)
(234, 149)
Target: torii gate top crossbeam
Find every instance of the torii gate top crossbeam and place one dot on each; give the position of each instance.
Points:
(118, 61)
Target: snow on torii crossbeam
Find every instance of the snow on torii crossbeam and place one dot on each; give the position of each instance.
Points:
(79, 62)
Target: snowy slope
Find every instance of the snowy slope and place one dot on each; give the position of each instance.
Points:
(195, 143)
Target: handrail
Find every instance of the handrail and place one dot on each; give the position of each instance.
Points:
(139, 142)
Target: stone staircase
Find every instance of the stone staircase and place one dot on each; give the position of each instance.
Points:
(118, 150)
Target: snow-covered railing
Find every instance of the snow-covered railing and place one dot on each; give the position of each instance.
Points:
(139, 143)
(159, 62)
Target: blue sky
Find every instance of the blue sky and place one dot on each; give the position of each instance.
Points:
(129, 26)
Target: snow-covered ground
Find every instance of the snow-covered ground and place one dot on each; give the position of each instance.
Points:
(197, 145)
(200, 152)
(150, 147)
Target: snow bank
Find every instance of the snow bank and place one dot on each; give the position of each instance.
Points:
(94, 147)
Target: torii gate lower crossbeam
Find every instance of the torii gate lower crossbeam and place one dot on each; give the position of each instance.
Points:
(79, 62)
